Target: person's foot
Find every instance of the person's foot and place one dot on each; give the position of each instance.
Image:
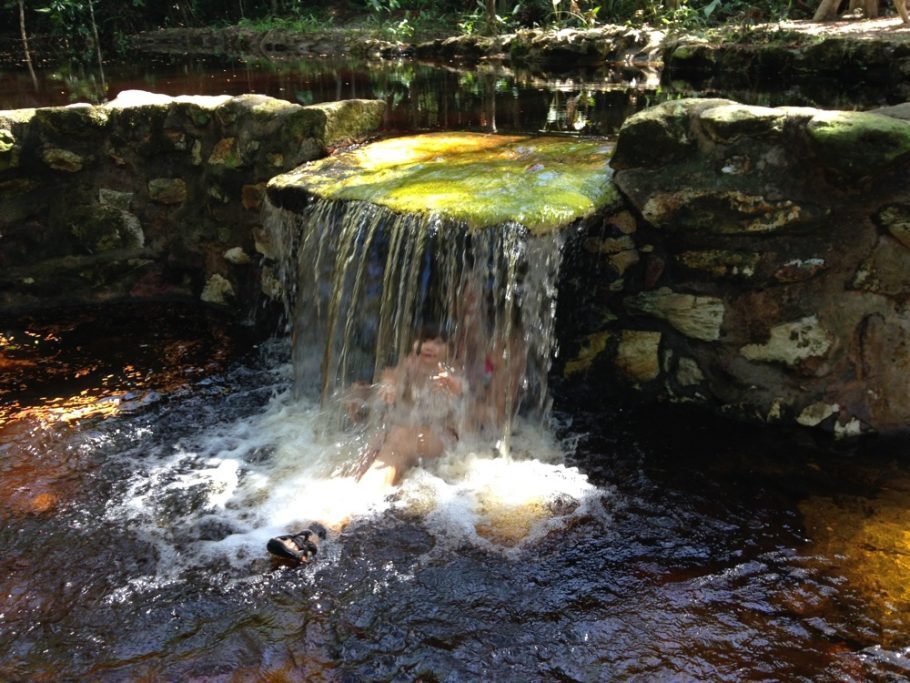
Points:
(298, 548)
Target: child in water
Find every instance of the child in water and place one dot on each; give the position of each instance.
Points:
(423, 398)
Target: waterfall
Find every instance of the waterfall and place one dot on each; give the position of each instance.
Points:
(361, 280)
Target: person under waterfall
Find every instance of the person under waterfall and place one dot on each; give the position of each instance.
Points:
(423, 399)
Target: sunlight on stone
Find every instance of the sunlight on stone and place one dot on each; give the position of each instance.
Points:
(482, 180)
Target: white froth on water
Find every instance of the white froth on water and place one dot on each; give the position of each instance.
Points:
(221, 497)
(505, 504)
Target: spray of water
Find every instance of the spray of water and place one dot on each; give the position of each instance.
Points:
(359, 282)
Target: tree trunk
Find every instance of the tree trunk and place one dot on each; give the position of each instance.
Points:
(490, 7)
(91, 12)
(825, 10)
(28, 56)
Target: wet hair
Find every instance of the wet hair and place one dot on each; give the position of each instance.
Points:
(431, 330)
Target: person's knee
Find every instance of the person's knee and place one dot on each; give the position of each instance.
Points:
(398, 448)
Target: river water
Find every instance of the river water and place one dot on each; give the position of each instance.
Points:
(140, 482)
(147, 454)
(424, 96)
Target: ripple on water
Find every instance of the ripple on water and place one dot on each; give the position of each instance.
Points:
(639, 561)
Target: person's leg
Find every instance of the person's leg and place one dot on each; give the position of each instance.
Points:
(400, 451)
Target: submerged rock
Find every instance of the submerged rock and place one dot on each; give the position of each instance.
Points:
(479, 180)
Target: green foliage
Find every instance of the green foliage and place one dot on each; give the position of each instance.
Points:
(476, 20)
(380, 6)
(698, 14)
(302, 23)
(68, 22)
(80, 83)
(70, 18)
(565, 13)
(408, 25)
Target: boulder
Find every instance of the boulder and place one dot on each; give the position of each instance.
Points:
(774, 247)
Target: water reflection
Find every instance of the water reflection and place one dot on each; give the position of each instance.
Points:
(424, 96)
(420, 96)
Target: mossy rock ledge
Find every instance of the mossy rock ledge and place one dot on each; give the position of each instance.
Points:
(792, 53)
(151, 196)
(472, 180)
(760, 267)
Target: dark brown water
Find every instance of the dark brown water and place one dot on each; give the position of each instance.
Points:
(706, 551)
(422, 96)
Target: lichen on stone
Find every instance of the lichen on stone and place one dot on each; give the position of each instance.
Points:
(101, 228)
(816, 413)
(481, 180)
(699, 317)
(167, 190)
(8, 152)
(688, 373)
(895, 218)
(725, 212)
(720, 263)
(728, 122)
(62, 159)
(225, 153)
(115, 198)
(792, 342)
(592, 346)
(637, 355)
(237, 256)
(217, 290)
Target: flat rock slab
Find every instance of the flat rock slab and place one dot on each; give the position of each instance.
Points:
(476, 179)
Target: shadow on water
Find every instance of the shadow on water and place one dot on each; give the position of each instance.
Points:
(700, 555)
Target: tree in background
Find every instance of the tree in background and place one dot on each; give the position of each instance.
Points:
(24, 34)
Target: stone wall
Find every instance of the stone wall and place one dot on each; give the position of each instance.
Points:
(564, 48)
(878, 59)
(150, 196)
(760, 267)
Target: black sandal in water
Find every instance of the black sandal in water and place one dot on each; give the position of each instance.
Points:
(298, 548)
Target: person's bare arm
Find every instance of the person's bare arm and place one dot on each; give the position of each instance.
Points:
(449, 381)
(389, 381)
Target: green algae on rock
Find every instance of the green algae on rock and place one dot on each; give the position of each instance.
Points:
(859, 144)
(481, 180)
